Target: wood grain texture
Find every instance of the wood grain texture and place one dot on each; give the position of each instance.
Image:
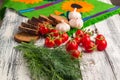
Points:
(102, 65)
(110, 28)
(96, 66)
(12, 66)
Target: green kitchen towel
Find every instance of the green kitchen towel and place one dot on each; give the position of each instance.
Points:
(92, 10)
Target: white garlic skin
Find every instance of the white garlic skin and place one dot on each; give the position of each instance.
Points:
(74, 14)
(76, 23)
(63, 27)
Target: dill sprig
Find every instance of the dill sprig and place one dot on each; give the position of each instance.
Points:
(50, 64)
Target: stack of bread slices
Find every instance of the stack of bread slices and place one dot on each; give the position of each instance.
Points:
(30, 30)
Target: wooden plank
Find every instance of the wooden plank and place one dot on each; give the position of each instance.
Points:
(95, 66)
(110, 28)
(12, 66)
(103, 69)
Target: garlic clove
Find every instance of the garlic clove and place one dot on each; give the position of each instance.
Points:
(74, 14)
(76, 23)
(64, 27)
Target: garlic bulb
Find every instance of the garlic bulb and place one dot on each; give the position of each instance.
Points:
(64, 27)
(74, 14)
(76, 23)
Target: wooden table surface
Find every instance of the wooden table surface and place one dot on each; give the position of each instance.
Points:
(96, 66)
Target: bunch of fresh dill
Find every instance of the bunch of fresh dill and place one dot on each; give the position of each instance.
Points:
(50, 64)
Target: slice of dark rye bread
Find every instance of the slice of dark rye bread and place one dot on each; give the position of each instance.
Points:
(46, 19)
(34, 21)
(29, 26)
(57, 19)
(25, 37)
(42, 19)
(28, 30)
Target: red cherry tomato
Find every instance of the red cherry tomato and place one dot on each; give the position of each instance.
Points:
(101, 45)
(75, 53)
(90, 47)
(99, 38)
(64, 37)
(49, 42)
(86, 40)
(78, 40)
(58, 41)
(54, 32)
(79, 33)
(71, 45)
(43, 30)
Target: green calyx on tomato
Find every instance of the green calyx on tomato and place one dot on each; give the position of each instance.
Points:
(90, 47)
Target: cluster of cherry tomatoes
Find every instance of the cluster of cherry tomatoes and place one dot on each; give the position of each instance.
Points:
(54, 41)
(54, 37)
(82, 39)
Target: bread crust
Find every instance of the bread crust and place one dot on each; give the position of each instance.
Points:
(28, 30)
(29, 26)
(25, 37)
(57, 19)
(46, 19)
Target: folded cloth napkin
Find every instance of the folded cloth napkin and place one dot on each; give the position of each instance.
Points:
(92, 10)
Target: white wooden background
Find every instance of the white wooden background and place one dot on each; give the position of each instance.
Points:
(96, 66)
